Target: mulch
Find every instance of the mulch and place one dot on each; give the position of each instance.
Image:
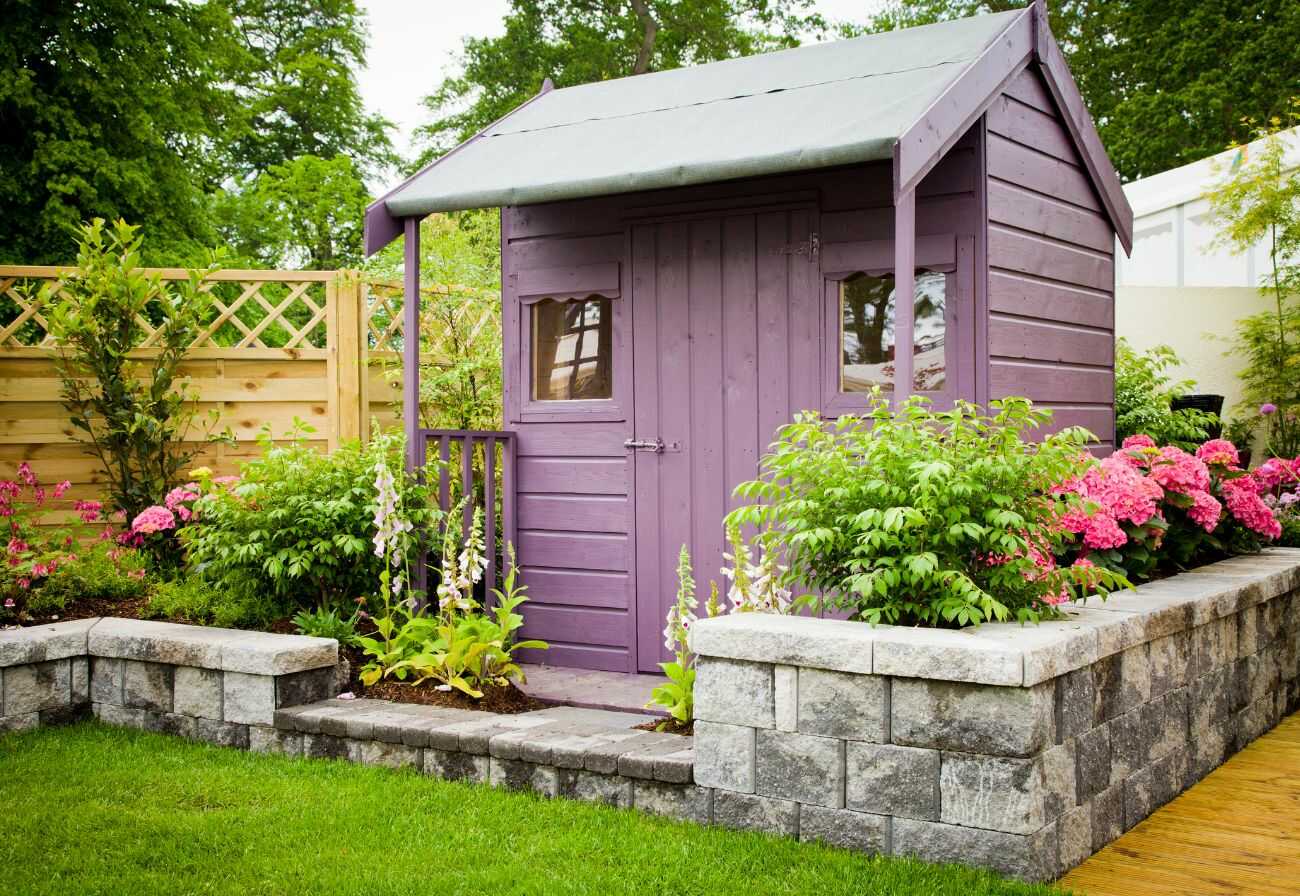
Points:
(669, 726)
(507, 700)
(89, 608)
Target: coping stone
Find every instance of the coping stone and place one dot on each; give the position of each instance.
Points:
(835, 644)
(231, 650)
(42, 643)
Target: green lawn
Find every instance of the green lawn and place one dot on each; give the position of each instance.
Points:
(91, 809)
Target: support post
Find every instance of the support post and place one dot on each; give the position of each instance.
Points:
(411, 340)
(904, 293)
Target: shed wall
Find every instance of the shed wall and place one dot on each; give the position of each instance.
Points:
(1051, 275)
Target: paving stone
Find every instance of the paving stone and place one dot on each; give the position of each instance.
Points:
(1030, 857)
(1074, 837)
(800, 767)
(884, 779)
(474, 734)
(746, 812)
(735, 692)
(581, 715)
(248, 699)
(37, 686)
(105, 680)
(456, 766)
(992, 792)
(324, 746)
(844, 705)
(44, 643)
(223, 734)
(198, 692)
(642, 761)
(603, 757)
(724, 756)
(1002, 721)
(515, 775)
(686, 802)
(272, 740)
(786, 697)
(384, 754)
(590, 787)
(677, 767)
(860, 831)
(1075, 704)
(80, 671)
(1092, 762)
(307, 686)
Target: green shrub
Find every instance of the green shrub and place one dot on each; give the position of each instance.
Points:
(296, 531)
(1143, 392)
(327, 624)
(100, 572)
(194, 601)
(922, 517)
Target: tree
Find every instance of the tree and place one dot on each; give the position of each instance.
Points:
(1167, 83)
(594, 40)
(111, 109)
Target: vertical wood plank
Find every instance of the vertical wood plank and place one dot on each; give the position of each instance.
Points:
(490, 509)
(466, 481)
(804, 299)
(332, 364)
(772, 289)
(646, 349)
(904, 293)
(509, 488)
(444, 473)
(708, 467)
(349, 356)
(741, 439)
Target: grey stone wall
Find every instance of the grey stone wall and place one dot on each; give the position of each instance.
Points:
(1020, 749)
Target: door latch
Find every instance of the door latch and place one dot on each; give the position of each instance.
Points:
(655, 445)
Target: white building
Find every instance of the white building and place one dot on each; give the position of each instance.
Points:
(1178, 288)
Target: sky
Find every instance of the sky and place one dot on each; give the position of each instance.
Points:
(414, 44)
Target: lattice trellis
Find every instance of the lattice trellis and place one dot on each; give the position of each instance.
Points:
(247, 311)
(384, 327)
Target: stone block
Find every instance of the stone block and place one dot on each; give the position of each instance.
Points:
(1121, 682)
(800, 767)
(603, 755)
(1029, 857)
(1107, 816)
(168, 643)
(677, 767)
(122, 716)
(324, 746)
(746, 812)
(844, 705)
(456, 766)
(955, 656)
(25, 722)
(590, 787)
(786, 698)
(1092, 762)
(80, 671)
(1060, 780)
(804, 641)
(147, 685)
(1170, 657)
(197, 692)
(1075, 704)
(992, 792)
(1252, 722)
(970, 718)
(685, 802)
(516, 775)
(223, 734)
(1214, 645)
(248, 699)
(1132, 737)
(67, 714)
(884, 779)
(262, 653)
(178, 725)
(735, 692)
(1247, 633)
(1172, 734)
(307, 686)
(1209, 748)
(384, 754)
(272, 740)
(44, 643)
(859, 831)
(37, 686)
(1139, 797)
(1169, 776)
(642, 761)
(106, 680)
(724, 756)
(1074, 837)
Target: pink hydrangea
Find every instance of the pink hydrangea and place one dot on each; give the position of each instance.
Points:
(153, 519)
(1103, 532)
(177, 497)
(1246, 506)
(1139, 441)
(1276, 471)
(1205, 510)
(1177, 471)
(1219, 451)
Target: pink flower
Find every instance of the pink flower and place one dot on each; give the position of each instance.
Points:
(1103, 532)
(1275, 471)
(1268, 408)
(1139, 441)
(1178, 471)
(9, 603)
(225, 480)
(1205, 510)
(136, 573)
(1219, 451)
(61, 488)
(17, 546)
(153, 519)
(24, 583)
(25, 473)
(89, 510)
(1248, 509)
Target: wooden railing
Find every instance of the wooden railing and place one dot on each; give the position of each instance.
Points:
(462, 452)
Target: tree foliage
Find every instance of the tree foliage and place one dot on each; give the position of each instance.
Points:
(594, 40)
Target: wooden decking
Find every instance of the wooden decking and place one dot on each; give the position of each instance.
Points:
(1237, 831)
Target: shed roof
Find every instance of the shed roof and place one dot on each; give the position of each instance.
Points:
(836, 103)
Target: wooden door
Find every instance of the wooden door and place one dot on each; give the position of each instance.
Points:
(726, 348)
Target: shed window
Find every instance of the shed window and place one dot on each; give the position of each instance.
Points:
(572, 349)
(867, 332)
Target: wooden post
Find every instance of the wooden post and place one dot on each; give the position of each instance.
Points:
(904, 293)
(411, 340)
(350, 358)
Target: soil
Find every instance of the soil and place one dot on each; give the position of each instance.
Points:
(507, 700)
(89, 608)
(669, 726)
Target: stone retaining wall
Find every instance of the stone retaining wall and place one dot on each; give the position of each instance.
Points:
(1021, 749)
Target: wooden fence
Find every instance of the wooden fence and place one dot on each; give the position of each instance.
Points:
(279, 345)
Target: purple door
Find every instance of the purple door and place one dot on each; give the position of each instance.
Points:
(727, 325)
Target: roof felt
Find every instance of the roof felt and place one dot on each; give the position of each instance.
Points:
(824, 104)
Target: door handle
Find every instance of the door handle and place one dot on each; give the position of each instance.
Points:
(655, 445)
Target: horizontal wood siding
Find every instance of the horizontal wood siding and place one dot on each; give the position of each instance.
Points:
(1051, 266)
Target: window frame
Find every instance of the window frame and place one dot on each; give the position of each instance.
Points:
(875, 258)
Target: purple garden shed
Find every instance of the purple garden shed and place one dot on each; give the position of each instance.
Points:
(690, 257)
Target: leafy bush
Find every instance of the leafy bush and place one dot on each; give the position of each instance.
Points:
(134, 414)
(936, 518)
(327, 624)
(195, 601)
(100, 571)
(1143, 392)
(296, 530)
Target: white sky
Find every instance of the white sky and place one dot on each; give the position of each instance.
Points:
(414, 43)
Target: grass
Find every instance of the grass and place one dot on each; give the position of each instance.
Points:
(92, 809)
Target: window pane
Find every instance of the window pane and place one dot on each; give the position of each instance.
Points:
(571, 350)
(867, 333)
